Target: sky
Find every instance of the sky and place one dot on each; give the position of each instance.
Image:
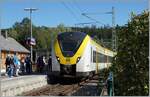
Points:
(51, 13)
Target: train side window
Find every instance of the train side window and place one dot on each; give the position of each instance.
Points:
(91, 55)
(101, 58)
(98, 56)
(94, 56)
(109, 59)
(105, 58)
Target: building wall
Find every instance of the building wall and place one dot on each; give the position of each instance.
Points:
(11, 53)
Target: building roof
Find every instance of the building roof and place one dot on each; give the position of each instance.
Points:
(10, 44)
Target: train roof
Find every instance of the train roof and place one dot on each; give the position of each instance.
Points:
(100, 47)
(73, 32)
(81, 34)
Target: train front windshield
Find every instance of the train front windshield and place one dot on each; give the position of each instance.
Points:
(70, 42)
(68, 45)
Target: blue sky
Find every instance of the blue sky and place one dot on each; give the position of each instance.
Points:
(53, 12)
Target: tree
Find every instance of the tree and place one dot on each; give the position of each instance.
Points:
(43, 35)
(20, 31)
(131, 73)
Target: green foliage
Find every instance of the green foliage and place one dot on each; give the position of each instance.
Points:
(44, 35)
(101, 35)
(20, 30)
(131, 66)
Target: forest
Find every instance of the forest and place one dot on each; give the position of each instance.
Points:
(44, 35)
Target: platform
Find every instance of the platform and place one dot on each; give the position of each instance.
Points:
(16, 85)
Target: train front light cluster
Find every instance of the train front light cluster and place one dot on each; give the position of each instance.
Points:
(78, 59)
(58, 59)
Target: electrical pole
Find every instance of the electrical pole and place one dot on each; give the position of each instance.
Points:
(113, 42)
(31, 10)
(0, 70)
(114, 37)
(0, 61)
(113, 30)
(112, 12)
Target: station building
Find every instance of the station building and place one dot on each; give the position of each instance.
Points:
(10, 46)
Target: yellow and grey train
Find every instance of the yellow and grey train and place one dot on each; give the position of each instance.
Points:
(75, 54)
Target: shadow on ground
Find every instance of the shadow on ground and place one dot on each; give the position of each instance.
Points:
(87, 90)
(62, 80)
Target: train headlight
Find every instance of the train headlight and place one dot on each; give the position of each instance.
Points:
(58, 59)
(78, 59)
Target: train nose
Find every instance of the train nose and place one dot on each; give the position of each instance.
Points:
(69, 53)
(68, 69)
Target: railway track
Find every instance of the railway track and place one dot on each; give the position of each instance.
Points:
(60, 89)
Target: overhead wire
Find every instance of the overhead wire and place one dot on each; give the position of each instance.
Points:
(93, 19)
(69, 9)
(81, 12)
(78, 7)
(85, 23)
(85, 15)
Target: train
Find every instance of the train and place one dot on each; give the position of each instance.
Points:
(76, 54)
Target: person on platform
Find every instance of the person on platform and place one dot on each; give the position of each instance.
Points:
(50, 64)
(22, 67)
(16, 65)
(28, 64)
(7, 63)
(44, 65)
(10, 71)
(40, 64)
(109, 84)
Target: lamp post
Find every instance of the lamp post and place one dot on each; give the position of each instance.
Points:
(31, 10)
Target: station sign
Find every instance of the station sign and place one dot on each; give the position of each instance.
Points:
(30, 41)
